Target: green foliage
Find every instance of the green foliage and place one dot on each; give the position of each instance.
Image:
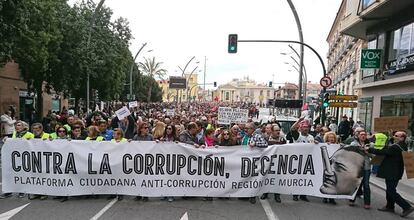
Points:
(56, 46)
(148, 84)
(152, 69)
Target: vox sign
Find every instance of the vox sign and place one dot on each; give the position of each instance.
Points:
(370, 58)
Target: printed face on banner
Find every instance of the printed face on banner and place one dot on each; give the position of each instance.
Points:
(345, 172)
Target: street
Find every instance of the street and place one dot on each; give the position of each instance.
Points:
(104, 208)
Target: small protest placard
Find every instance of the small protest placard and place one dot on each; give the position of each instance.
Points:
(133, 104)
(408, 158)
(122, 113)
(228, 115)
(170, 112)
(384, 124)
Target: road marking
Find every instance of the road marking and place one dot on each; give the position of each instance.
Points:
(185, 217)
(11, 213)
(268, 210)
(108, 206)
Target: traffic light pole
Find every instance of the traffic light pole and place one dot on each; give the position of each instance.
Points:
(300, 43)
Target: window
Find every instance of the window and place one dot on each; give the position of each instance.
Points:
(348, 7)
(367, 3)
(227, 96)
(365, 112)
(399, 105)
(268, 93)
(401, 42)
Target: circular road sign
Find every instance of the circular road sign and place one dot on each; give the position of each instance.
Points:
(326, 81)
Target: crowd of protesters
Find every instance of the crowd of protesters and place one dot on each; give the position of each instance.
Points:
(197, 124)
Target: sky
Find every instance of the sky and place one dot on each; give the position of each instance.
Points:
(175, 31)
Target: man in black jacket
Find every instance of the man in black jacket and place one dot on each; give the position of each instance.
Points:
(391, 169)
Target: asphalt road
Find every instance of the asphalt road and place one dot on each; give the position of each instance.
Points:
(104, 208)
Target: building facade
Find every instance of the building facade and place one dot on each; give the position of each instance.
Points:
(343, 61)
(14, 93)
(387, 25)
(244, 90)
(184, 95)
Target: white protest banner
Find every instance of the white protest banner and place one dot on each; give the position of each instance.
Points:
(122, 113)
(133, 104)
(170, 112)
(62, 167)
(228, 115)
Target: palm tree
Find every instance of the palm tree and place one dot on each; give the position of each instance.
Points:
(153, 69)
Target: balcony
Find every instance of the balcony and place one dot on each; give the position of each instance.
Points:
(363, 19)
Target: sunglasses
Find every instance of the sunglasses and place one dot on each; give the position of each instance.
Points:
(226, 134)
(61, 131)
(169, 128)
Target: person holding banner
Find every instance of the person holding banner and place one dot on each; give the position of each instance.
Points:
(391, 169)
(93, 134)
(226, 138)
(299, 133)
(118, 136)
(275, 138)
(362, 142)
(37, 129)
(21, 131)
(104, 131)
(77, 133)
(188, 136)
(143, 135)
(253, 139)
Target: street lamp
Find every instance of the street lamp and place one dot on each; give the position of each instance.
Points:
(295, 13)
(92, 21)
(183, 72)
(132, 69)
(303, 84)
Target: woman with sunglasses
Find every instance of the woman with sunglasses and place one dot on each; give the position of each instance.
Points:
(226, 139)
(61, 134)
(143, 135)
(169, 136)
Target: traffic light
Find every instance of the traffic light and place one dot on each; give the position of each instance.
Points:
(270, 84)
(325, 100)
(232, 43)
(215, 84)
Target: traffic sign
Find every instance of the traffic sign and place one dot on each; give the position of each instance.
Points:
(326, 81)
(343, 97)
(343, 104)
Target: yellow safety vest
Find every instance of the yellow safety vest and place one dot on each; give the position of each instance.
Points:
(45, 136)
(53, 135)
(28, 135)
(99, 138)
(122, 140)
(380, 140)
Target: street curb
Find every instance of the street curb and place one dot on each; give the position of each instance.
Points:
(411, 201)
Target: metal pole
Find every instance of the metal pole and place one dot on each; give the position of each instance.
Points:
(295, 13)
(304, 44)
(204, 86)
(305, 78)
(132, 69)
(87, 46)
(183, 71)
(186, 87)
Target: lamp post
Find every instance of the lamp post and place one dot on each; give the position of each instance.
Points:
(183, 72)
(98, 7)
(298, 24)
(132, 69)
